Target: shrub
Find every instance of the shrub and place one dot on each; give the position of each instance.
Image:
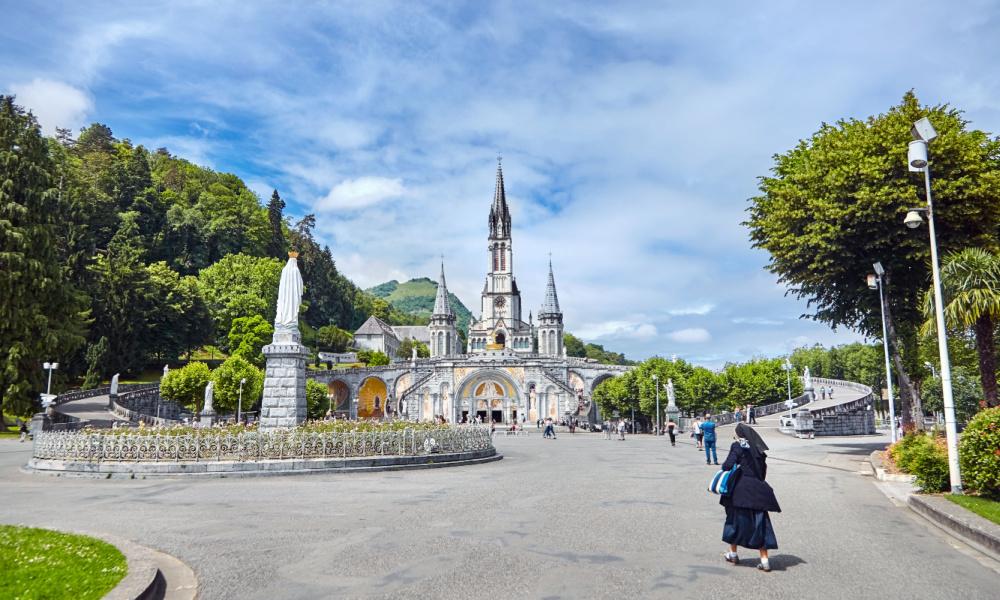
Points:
(373, 358)
(186, 385)
(979, 453)
(924, 457)
(227, 384)
(317, 400)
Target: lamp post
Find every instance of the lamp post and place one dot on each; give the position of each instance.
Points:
(656, 384)
(788, 380)
(923, 133)
(930, 366)
(50, 366)
(875, 281)
(239, 405)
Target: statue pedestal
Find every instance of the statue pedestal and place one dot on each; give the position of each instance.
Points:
(207, 418)
(672, 413)
(284, 402)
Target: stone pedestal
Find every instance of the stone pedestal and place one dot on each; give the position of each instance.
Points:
(284, 402)
(207, 418)
(673, 413)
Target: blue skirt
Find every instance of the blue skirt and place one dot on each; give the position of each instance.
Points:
(749, 528)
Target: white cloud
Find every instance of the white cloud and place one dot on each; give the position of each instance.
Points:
(54, 103)
(616, 329)
(691, 335)
(360, 193)
(701, 309)
(756, 321)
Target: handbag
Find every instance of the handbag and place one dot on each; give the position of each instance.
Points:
(723, 481)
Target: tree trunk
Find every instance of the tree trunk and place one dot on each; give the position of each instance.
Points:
(986, 349)
(909, 398)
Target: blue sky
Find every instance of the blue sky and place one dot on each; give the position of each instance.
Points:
(632, 133)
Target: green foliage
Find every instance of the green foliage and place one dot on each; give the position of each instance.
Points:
(176, 317)
(277, 245)
(186, 385)
(227, 378)
(406, 347)
(328, 296)
(925, 458)
(96, 355)
(248, 336)
(416, 298)
(979, 453)
(334, 339)
(240, 286)
(373, 358)
(42, 313)
(965, 388)
(759, 382)
(317, 400)
(40, 563)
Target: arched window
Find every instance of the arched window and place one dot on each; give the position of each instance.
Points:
(503, 258)
(496, 259)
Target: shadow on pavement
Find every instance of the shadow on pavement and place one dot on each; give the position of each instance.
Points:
(782, 562)
(859, 448)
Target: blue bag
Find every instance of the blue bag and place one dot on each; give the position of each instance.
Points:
(722, 482)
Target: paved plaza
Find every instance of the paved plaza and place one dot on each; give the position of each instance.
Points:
(578, 517)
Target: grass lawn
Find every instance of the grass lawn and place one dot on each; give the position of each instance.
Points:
(39, 563)
(989, 509)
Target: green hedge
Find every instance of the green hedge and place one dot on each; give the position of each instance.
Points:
(924, 457)
(979, 453)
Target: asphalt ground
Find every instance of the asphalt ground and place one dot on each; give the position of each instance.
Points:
(575, 517)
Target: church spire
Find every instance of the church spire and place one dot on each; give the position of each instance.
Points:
(499, 213)
(442, 307)
(551, 304)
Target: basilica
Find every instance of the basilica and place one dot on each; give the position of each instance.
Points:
(510, 370)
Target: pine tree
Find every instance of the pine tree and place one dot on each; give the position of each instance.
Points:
(41, 314)
(276, 245)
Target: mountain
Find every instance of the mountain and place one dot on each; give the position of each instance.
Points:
(416, 297)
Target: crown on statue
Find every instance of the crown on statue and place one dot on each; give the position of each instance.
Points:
(293, 254)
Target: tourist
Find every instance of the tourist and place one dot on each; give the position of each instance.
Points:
(708, 437)
(672, 432)
(822, 393)
(607, 429)
(830, 391)
(752, 413)
(24, 431)
(750, 499)
(737, 416)
(621, 430)
(697, 433)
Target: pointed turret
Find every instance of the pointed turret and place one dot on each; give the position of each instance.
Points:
(444, 336)
(550, 321)
(551, 304)
(442, 306)
(499, 212)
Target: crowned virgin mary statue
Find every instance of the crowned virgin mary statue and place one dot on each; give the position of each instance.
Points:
(286, 320)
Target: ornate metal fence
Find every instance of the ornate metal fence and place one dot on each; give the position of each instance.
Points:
(209, 445)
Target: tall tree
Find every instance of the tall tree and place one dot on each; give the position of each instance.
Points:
(240, 286)
(277, 245)
(41, 313)
(834, 204)
(121, 299)
(971, 282)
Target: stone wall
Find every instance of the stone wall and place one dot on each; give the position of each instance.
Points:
(284, 402)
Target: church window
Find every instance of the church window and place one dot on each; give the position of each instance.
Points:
(503, 258)
(496, 259)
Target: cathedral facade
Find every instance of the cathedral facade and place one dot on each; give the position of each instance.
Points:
(511, 370)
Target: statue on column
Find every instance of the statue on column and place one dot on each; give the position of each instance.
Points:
(209, 397)
(114, 384)
(671, 398)
(807, 381)
(286, 319)
(166, 370)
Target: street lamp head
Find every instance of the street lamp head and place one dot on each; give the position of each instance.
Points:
(878, 269)
(923, 130)
(655, 376)
(243, 381)
(872, 279)
(913, 219)
(916, 155)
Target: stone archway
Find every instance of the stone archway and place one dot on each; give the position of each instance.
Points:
(339, 394)
(371, 398)
(489, 394)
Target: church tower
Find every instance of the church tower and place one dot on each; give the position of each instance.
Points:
(501, 302)
(444, 335)
(550, 321)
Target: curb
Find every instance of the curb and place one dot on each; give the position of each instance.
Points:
(959, 521)
(146, 579)
(875, 459)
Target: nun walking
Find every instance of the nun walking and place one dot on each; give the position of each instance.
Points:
(751, 499)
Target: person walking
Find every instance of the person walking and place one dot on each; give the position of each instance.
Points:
(607, 430)
(672, 432)
(23, 429)
(621, 430)
(698, 434)
(752, 413)
(708, 433)
(750, 499)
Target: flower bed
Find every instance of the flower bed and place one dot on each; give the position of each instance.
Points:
(235, 443)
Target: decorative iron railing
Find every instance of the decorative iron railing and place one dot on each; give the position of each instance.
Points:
(209, 445)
